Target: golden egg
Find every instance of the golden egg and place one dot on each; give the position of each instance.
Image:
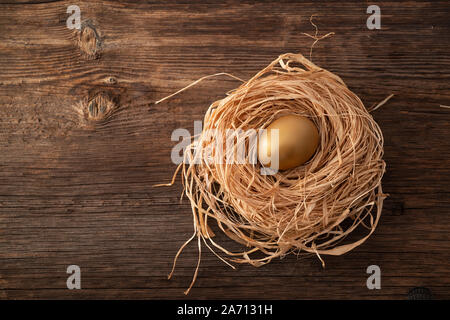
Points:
(298, 139)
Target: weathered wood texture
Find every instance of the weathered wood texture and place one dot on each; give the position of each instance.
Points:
(81, 143)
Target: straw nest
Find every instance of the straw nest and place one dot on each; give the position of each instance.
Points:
(310, 208)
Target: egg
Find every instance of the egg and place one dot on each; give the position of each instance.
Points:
(298, 140)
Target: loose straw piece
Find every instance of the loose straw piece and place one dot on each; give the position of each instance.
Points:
(311, 208)
(315, 36)
(197, 81)
(381, 103)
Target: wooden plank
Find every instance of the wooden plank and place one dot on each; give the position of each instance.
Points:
(81, 143)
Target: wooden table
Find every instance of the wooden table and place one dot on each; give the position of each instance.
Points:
(82, 143)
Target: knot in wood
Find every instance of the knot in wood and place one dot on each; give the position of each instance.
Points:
(89, 41)
(99, 108)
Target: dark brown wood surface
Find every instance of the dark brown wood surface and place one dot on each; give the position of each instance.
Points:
(81, 143)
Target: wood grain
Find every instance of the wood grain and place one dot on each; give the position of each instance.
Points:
(81, 143)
